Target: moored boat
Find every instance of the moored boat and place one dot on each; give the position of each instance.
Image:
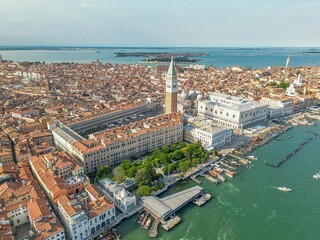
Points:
(147, 224)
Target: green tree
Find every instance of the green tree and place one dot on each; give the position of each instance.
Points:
(125, 165)
(182, 144)
(284, 85)
(131, 172)
(165, 149)
(177, 155)
(144, 190)
(143, 177)
(215, 153)
(172, 167)
(160, 184)
(173, 147)
(183, 166)
(196, 161)
(189, 153)
(119, 175)
(103, 172)
(165, 170)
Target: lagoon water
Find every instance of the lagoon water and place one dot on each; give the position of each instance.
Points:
(217, 57)
(249, 207)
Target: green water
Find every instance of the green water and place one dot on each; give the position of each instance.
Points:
(249, 206)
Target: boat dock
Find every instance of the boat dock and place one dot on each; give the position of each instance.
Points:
(162, 208)
(240, 159)
(294, 152)
(171, 223)
(194, 178)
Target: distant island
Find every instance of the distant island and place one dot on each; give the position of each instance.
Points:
(158, 54)
(312, 52)
(168, 59)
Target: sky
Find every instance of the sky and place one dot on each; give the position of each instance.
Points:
(160, 23)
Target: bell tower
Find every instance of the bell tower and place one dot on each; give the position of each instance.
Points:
(171, 89)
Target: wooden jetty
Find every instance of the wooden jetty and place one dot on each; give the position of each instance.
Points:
(242, 160)
(153, 232)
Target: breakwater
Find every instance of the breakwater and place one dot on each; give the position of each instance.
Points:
(286, 158)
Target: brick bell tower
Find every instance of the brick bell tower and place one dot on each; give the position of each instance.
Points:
(171, 89)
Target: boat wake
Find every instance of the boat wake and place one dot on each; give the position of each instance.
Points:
(232, 188)
(185, 237)
(272, 215)
(226, 233)
(223, 203)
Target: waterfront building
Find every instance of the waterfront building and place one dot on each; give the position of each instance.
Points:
(234, 112)
(278, 106)
(121, 196)
(171, 89)
(114, 145)
(85, 214)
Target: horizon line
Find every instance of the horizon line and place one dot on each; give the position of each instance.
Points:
(99, 46)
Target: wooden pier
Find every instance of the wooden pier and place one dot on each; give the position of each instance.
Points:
(242, 160)
(153, 232)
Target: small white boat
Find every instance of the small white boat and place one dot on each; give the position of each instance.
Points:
(285, 189)
(316, 176)
(252, 157)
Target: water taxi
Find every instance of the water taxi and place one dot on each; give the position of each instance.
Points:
(316, 176)
(285, 189)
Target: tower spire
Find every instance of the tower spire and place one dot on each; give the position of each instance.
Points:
(171, 88)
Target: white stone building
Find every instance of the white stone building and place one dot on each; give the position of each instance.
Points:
(210, 136)
(278, 107)
(234, 112)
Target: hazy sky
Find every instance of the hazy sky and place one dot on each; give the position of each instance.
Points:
(202, 23)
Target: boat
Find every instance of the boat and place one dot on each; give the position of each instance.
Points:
(116, 233)
(252, 157)
(285, 189)
(141, 218)
(202, 199)
(316, 176)
(171, 223)
(147, 224)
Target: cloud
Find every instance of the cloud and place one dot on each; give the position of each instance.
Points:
(84, 5)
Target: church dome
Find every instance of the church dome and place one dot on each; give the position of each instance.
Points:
(192, 92)
(184, 95)
(200, 97)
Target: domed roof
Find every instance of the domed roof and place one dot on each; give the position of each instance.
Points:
(192, 92)
(123, 193)
(184, 95)
(200, 97)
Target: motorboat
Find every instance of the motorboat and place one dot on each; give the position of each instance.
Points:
(285, 189)
(316, 176)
